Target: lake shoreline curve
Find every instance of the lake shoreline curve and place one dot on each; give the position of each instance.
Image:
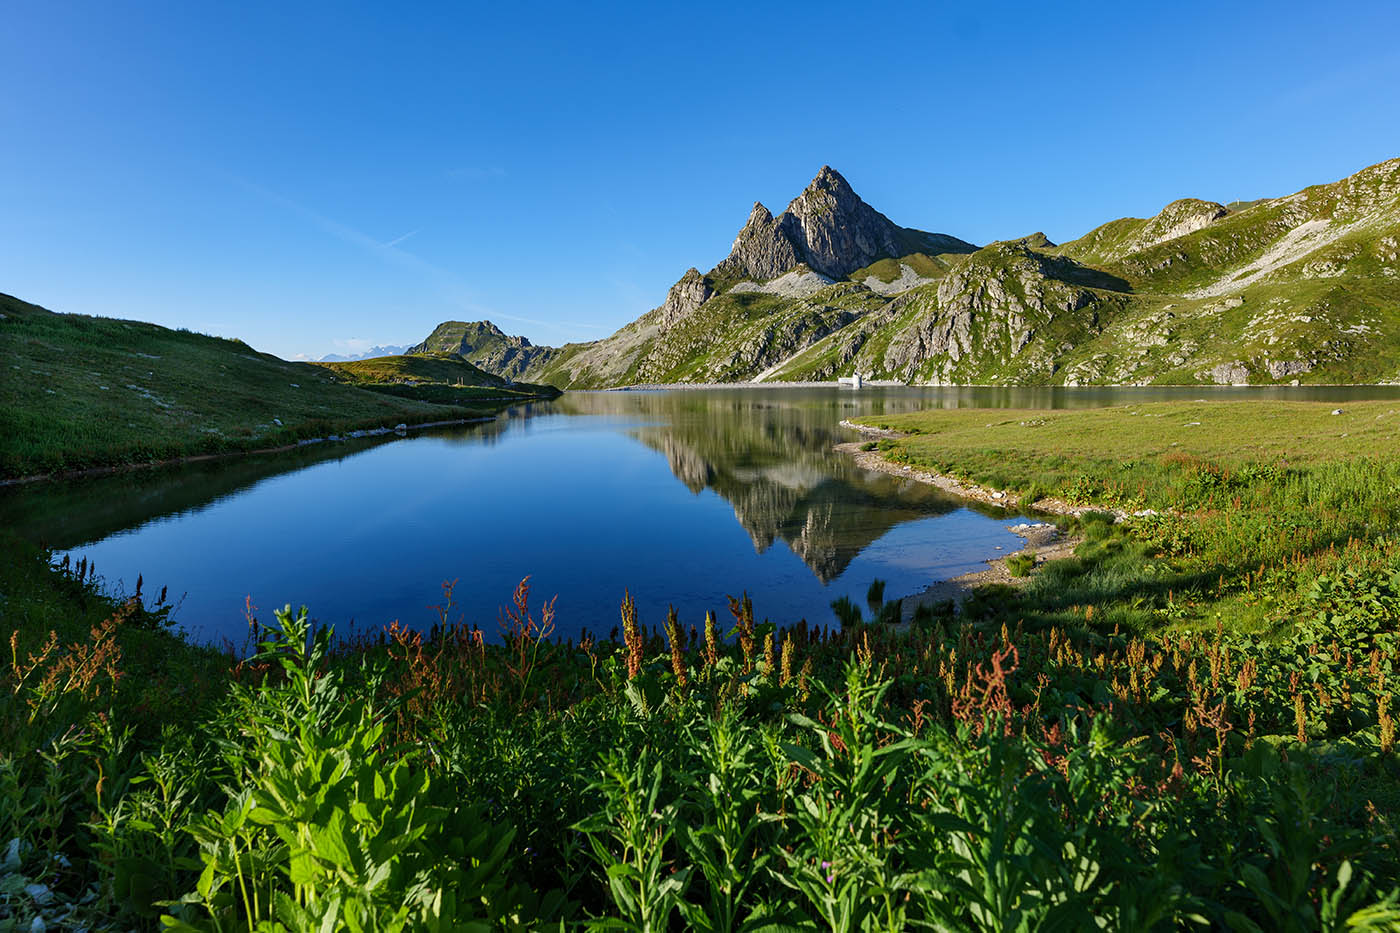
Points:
(1045, 539)
(358, 434)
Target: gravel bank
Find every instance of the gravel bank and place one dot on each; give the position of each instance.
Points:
(668, 386)
(1046, 540)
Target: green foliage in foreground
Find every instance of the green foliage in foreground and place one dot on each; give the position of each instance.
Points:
(79, 392)
(968, 777)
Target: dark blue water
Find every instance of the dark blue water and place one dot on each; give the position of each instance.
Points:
(679, 497)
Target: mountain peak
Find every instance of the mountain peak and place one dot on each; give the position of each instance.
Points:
(829, 228)
(464, 337)
(758, 214)
(762, 250)
(838, 231)
(827, 178)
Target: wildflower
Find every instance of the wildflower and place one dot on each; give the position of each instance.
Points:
(673, 635)
(632, 636)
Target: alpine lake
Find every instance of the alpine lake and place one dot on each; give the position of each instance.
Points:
(679, 497)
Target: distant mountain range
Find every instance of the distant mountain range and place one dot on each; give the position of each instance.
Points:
(371, 353)
(1300, 288)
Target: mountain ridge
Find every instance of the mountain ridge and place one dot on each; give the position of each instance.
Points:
(1304, 287)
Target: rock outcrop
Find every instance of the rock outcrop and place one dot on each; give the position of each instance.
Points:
(763, 250)
(1178, 218)
(838, 232)
(685, 296)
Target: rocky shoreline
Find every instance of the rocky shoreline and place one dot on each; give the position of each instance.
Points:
(1046, 540)
(672, 386)
(873, 460)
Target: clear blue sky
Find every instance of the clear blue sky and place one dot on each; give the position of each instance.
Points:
(306, 176)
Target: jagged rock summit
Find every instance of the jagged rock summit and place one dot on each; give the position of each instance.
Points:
(829, 229)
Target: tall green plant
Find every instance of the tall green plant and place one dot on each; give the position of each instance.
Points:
(324, 829)
(722, 827)
(845, 863)
(629, 836)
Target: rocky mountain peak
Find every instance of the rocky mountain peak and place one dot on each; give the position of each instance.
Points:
(763, 250)
(829, 229)
(839, 232)
(685, 296)
(759, 215)
(828, 179)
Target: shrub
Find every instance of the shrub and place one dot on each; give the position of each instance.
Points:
(1020, 563)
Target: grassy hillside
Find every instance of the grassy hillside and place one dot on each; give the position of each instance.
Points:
(442, 377)
(443, 368)
(79, 392)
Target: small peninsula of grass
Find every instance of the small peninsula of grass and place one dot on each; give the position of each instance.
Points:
(434, 377)
(79, 392)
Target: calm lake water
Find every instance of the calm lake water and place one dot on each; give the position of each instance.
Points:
(680, 497)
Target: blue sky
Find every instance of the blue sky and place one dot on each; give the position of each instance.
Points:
(311, 177)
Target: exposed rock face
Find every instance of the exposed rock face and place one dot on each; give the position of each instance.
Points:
(1178, 218)
(1230, 374)
(685, 296)
(763, 249)
(829, 228)
(1282, 369)
(838, 231)
(994, 302)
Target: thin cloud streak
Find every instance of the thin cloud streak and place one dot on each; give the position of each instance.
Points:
(397, 240)
(453, 288)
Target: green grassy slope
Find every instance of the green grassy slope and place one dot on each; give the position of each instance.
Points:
(442, 378)
(1053, 448)
(1274, 496)
(79, 391)
(413, 368)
